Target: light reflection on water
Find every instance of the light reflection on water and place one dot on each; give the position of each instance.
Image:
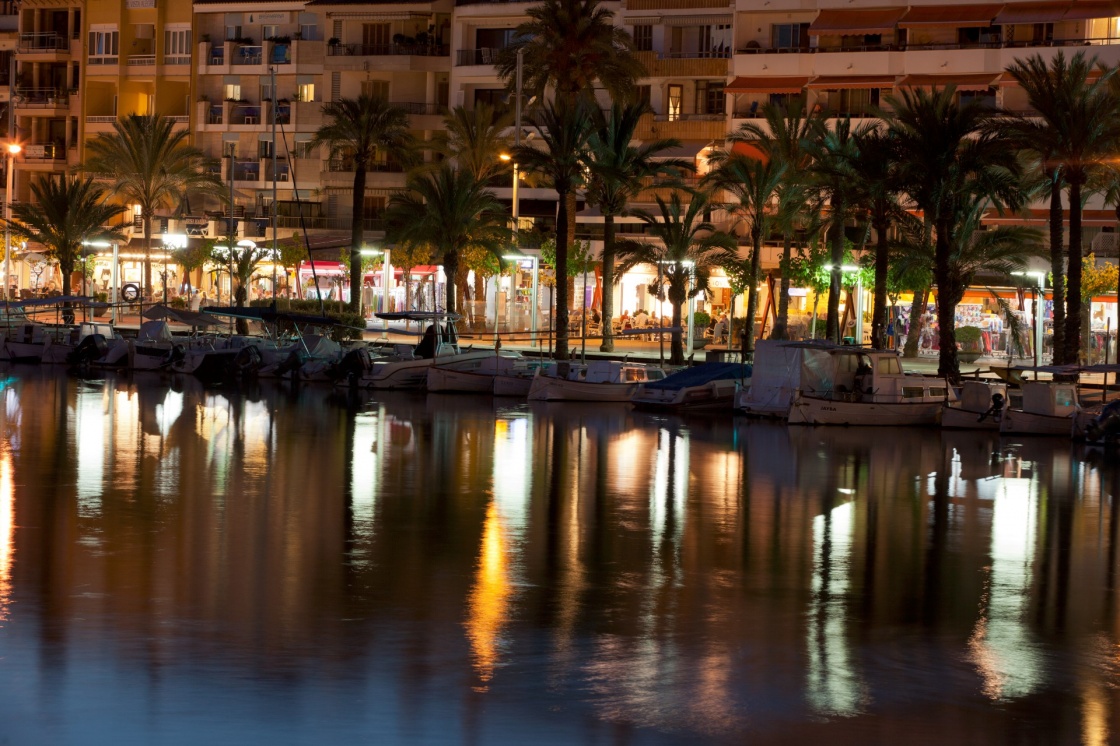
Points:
(314, 567)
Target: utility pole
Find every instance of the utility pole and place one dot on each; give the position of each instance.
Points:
(275, 176)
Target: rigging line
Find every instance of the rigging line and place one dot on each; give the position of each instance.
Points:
(302, 222)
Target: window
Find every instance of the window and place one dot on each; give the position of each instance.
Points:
(309, 26)
(306, 91)
(232, 91)
(375, 206)
(644, 92)
(375, 36)
(643, 38)
(912, 392)
(177, 46)
(710, 98)
(889, 366)
(715, 41)
(676, 93)
(376, 89)
(790, 36)
(233, 33)
(266, 89)
(104, 47)
(270, 32)
(979, 36)
(264, 149)
(495, 97)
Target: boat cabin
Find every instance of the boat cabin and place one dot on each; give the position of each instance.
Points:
(877, 376)
(1050, 398)
(608, 371)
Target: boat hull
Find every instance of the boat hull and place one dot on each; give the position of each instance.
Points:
(547, 388)
(955, 418)
(714, 395)
(518, 386)
(808, 410)
(442, 379)
(1018, 422)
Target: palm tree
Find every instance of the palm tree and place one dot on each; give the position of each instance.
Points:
(61, 215)
(564, 131)
(148, 162)
(953, 164)
(689, 249)
(879, 197)
(570, 46)
(448, 209)
(618, 171)
(834, 150)
(1074, 128)
(475, 139)
(784, 139)
(359, 131)
(754, 183)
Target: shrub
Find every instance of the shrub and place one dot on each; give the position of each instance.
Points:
(701, 319)
(968, 337)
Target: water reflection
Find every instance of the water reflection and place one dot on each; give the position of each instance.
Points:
(556, 573)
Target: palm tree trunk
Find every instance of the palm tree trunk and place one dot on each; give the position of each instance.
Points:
(562, 238)
(948, 366)
(781, 326)
(832, 328)
(450, 271)
(676, 346)
(1073, 274)
(357, 234)
(147, 252)
(1057, 269)
(917, 321)
(882, 267)
(608, 283)
(752, 289)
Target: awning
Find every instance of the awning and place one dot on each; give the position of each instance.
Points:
(856, 22)
(1047, 12)
(1007, 80)
(971, 82)
(749, 150)
(642, 20)
(1088, 9)
(769, 84)
(950, 15)
(705, 20)
(843, 82)
(684, 151)
(421, 270)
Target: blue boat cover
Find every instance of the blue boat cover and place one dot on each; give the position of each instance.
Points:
(701, 374)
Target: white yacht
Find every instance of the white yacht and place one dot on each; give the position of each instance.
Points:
(597, 381)
(981, 406)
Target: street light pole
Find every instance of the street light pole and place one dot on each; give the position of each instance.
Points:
(13, 148)
(275, 176)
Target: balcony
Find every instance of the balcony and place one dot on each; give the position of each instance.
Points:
(42, 42)
(682, 127)
(244, 54)
(245, 170)
(346, 165)
(385, 50)
(44, 152)
(42, 98)
(484, 56)
(141, 65)
(244, 114)
(174, 60)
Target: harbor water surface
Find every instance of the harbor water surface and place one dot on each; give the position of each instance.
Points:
(181, 565)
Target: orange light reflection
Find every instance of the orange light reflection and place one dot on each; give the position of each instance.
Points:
(488, 604)
(7, 531)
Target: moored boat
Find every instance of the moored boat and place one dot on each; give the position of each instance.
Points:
(1049, 408)
(981, 406)
(705, 386)
(597, 381)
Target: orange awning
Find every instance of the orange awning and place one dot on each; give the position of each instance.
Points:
(748, 150)
(768, 84)
(950, 15)
(971, 82)
(1084, 10)
(842, 82)
(1047, 12)
(1008, 80)
(856, 22)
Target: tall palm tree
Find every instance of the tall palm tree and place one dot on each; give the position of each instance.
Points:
(878, 196)
(564, 131)
(688, 249)
(148, 162)
(476, 139)
(618, 171)
(448, 209)
(834, 150)
(569, 46)
(1075, 126)
(61, 215)
(784, 138)
(359, 130)
(754, 183)
(953, 164)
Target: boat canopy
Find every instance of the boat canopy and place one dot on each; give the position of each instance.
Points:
(418, 316)
(56, 300)
(181, 315)
(269, 314)
(700, 374)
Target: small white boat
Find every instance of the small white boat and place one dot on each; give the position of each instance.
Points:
(705, 386)
(597, 381)
(474, 375)
(1049, 408)
(406, 367)
(868, 387)
(981, 406)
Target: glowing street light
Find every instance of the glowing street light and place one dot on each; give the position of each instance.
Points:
(13, 150)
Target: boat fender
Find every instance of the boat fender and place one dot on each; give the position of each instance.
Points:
(994, 410)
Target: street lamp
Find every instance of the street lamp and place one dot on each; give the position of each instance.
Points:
(520, 256)
(386, 277)
(13, 149)
(859, 299)
(1039, 297)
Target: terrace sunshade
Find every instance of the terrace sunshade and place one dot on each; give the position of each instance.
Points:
(836, 22)
(970, 82)
(1048, 12)
(1089, 9)
(848, 82)
(958, 16)
(767, 84)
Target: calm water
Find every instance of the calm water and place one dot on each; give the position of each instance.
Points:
(180, 565)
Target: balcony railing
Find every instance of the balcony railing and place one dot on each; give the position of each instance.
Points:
(484, 56)
(245, 114)
(346, 165)
(245, 55)
(246, 171)
(711, 54)
(892, 47)
(141, 60)
(216, 114)
(51, 151)
(42, 97)
(218, 54)
(176, 59)
(43, 41)
(383, 50)
(103, 59)
(420, 108)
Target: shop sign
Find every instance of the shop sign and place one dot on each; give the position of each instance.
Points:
(134, 4)
(270, 17)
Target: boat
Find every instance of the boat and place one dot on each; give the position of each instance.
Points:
(981, 406)
(868, 387)
(475, 375)
(704, 386)
(405, 366)
(595, 381)
(27, 340)
(780, 370)
(1049, 408)
(517, 381)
